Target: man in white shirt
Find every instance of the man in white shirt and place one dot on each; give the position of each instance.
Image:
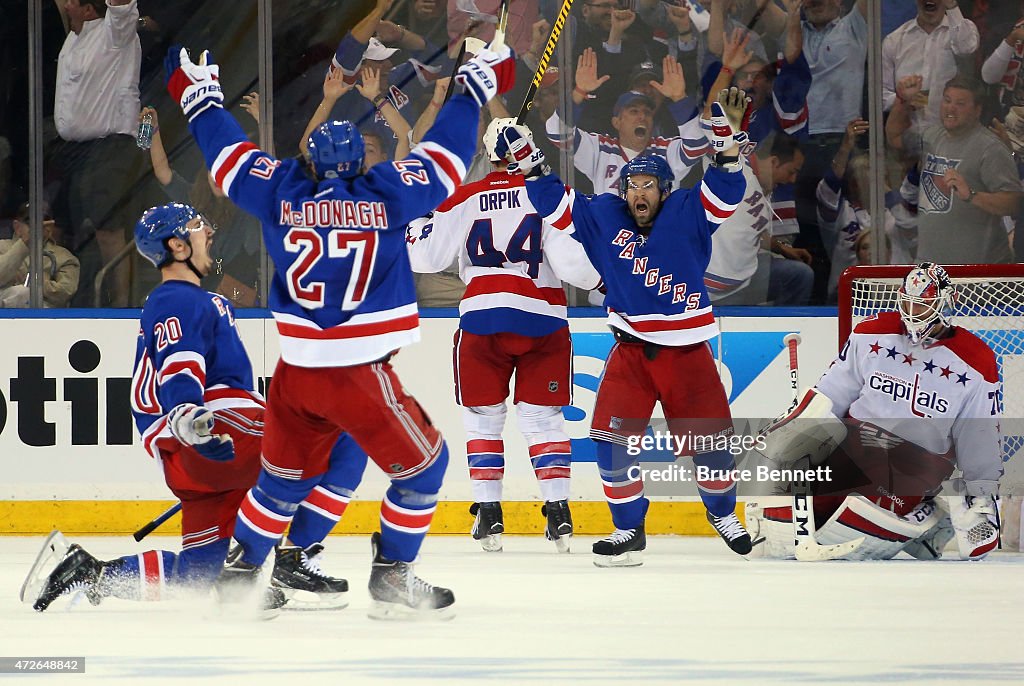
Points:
(95, 111)
(928, 45)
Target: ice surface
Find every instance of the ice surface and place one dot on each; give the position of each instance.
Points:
(694, 612)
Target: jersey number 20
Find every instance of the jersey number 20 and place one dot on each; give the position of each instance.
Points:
(362, 245)
(523, 246)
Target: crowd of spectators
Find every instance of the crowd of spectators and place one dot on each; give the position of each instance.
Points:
(952, 92)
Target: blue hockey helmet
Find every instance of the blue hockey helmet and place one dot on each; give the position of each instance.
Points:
(336, 150)
(651, 165)
(159, 224)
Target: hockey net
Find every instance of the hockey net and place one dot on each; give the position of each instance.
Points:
(990, 302)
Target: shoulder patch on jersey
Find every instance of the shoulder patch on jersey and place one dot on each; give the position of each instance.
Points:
(881, 323)
(975, 352)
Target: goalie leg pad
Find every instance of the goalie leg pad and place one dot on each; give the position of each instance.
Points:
(809, 430)
(885, 533)
(770, 524)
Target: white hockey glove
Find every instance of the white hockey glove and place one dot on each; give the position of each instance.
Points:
(488, 73)
(192, 425)
(730, 116)
(515, 144)
(976, 525)
(810, 430)
(196, 87)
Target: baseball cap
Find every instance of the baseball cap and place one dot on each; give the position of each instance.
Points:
(377, 51)
(1015, 127)
(646, 69)
(628, 98)
(23, 212)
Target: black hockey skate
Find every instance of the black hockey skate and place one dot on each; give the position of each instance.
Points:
(397, 593)
(488, 526)
(237, 586)
(624, 548)
(559, 525)
(77, 571)
(732, 532)
(298, 575)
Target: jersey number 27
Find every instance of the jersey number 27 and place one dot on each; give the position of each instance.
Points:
(362, 245)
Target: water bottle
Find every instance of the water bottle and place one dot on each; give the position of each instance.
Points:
(144, 138)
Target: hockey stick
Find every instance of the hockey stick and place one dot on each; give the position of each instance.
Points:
(455, 67)
(545, 59)
(149, 528)
(807, 548)
(499, 33)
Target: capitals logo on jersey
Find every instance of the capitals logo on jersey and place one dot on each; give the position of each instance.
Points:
(922, 403)
(936, 196)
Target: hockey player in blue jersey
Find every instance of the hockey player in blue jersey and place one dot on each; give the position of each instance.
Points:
(200, 419)
(652, 247)
(343, 297)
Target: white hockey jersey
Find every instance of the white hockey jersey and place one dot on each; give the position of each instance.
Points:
(735, 245)
(602, 157)
(940, 397)
(512, 262)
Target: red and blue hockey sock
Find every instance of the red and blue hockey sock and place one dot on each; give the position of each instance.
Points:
(486, 457)
(551, 461)
(148, 575)
(622, 485)
(717, 489)
(407, 509)
(265, 513)
(324, 506)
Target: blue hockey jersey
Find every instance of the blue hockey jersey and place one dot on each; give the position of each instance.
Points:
(655, 283)
(188, 351)
(342, 292)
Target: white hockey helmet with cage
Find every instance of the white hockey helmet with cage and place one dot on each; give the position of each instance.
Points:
(926, 301)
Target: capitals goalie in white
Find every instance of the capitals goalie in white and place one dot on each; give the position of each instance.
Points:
(512, 319)
(918, 398)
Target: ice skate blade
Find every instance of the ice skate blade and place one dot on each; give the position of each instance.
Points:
(306, 601)
(53, 551)
(492, 543)
(386, 611)
(634, 558)
(562, 543)
(250, 606)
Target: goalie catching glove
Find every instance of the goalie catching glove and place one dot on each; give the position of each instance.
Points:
(488, 73)
(192, 425)
(730, 116)
(515, 144)
(196, 87)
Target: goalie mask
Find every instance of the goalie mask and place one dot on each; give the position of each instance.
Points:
(925, 302)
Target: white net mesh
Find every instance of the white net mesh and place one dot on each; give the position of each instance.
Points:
(991, 307)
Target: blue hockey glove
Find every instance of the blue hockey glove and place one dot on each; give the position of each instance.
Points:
(730, 116)
(488, 73)
(515, 144)
(196, 87)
